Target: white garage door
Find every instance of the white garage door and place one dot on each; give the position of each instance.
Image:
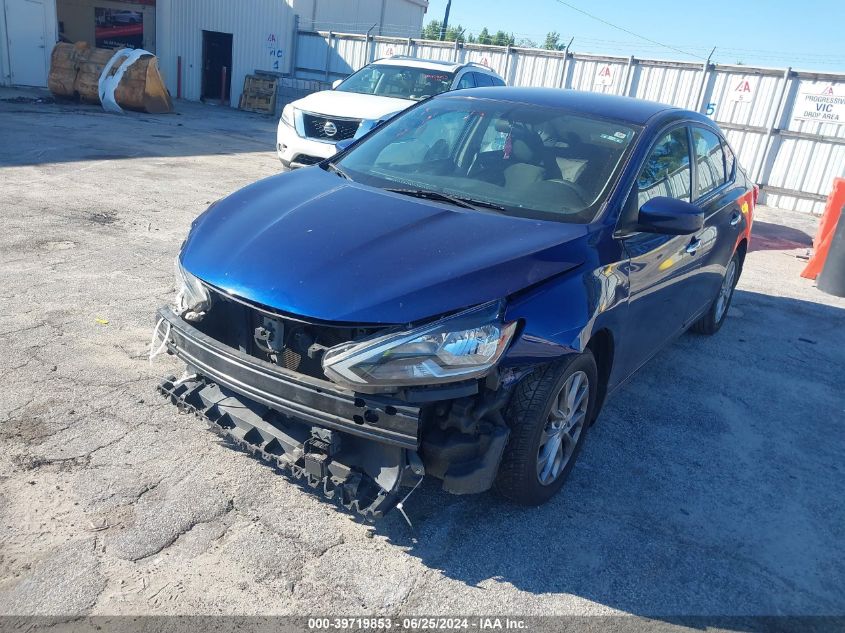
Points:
(26, 23)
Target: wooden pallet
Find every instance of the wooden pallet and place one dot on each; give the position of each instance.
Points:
(259, 95)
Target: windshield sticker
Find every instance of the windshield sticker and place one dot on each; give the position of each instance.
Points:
(613, 138)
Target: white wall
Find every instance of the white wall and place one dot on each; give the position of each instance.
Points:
(179, 28)
(50, 37)
(400, 18)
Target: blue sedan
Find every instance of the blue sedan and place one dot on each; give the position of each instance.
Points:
(456, 293)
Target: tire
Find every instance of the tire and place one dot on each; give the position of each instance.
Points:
(530, 418)
(715, 316)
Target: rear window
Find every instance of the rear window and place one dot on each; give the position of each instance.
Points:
(483, 80)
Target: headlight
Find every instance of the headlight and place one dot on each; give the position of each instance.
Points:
(192, 298)
(466, 345)
(287, 115)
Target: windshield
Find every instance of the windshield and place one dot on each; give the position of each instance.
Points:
(521, 159)
(400, 82)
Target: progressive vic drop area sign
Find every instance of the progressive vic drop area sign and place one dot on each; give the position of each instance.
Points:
(824, 106)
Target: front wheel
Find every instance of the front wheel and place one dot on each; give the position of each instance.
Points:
(549, 415)
(713, 319)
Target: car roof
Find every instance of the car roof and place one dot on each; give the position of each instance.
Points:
(429, 64)
(628, 109)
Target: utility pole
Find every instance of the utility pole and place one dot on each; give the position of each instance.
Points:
(445, 21)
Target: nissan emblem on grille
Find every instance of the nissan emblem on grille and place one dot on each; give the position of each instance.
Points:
(329, 128)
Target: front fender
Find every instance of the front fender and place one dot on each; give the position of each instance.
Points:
(560, 315)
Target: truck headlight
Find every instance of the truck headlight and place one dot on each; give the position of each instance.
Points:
(287, 114)
(463, 346)
(192, 297)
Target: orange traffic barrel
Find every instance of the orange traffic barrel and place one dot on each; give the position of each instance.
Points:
(826, 231)
(832, 277)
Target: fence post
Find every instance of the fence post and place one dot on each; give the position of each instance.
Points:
(455, 51)
(294, 45)
(780, 110)
(508, 66)
(564, 79)
(329, 49)
(408, 48)
(628, 67)
(705, 75)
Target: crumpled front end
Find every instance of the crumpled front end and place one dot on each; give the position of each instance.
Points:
(257, 378)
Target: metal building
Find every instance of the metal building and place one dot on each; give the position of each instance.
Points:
(205, 47)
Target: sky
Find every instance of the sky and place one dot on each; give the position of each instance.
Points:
(804, 35)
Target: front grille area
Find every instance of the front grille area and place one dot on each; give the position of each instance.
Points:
(321, 127)
(294, 345)
(306, 159)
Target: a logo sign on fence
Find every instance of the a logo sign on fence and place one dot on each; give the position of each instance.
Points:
(820, 104)
(604, 77)
(741, 91)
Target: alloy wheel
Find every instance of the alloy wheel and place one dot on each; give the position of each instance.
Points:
(563, 428)
(726, 290)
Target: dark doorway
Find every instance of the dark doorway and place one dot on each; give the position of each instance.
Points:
(216, 56)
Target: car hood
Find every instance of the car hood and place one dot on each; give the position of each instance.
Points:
(312, 244)
(351, 105)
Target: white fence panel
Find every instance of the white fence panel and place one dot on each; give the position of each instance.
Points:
(745, 98)
(598, 75)
(676, 85)
(536, 70)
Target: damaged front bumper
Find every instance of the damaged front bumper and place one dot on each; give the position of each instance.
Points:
(367, 451)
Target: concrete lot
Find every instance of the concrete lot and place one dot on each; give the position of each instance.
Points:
(712, 485)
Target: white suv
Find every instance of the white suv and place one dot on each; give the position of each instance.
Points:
(310, 127)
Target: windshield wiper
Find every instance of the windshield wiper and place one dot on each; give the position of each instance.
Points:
(330, 166)
(458, 201)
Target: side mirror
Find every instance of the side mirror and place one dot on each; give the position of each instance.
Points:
(342, 145)
(336, 83)
(669, 216)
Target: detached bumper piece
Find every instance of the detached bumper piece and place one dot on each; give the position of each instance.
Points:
(319, 457)
(361, 450)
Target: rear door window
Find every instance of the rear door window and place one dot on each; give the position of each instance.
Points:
(483, 80)
(666, 171)
(709, 161)
(467, 80)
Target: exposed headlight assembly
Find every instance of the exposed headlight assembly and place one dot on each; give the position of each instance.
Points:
(463, 346)
(192, 297)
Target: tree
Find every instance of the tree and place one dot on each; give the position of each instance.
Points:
(553, 42)
(524, 42)
(484, 37)
(503, 39)
(455, 33)
(431, 31)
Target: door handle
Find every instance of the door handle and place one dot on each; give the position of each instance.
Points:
(693, 246)
(735, 218)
